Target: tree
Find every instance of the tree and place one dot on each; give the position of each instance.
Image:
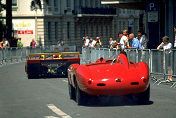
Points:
(36, 4)
(9, 20)
(2, 25)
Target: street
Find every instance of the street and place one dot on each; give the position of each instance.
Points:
(49, 98)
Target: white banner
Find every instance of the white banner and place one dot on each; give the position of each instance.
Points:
(24, 26)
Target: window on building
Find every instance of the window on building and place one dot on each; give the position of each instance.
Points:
(92, 30)
(80, 3)
(68, 3)
(49, 30)
(106, 30)
(96, 3)
(86, 3)
(91, 4)
(14, 3)
(101, 30)
(123, 11)
(56, 5)
(56, 30)
(68, 30)
(96, 29)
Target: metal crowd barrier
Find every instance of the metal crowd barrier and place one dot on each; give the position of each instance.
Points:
(15, 55)
(161, 63)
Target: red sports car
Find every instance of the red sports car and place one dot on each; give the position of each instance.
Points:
(113, 77)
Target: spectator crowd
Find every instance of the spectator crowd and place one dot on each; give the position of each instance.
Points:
(128, 41)
(124, 41)
(15, 43)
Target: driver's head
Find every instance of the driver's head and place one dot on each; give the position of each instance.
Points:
(123, 52)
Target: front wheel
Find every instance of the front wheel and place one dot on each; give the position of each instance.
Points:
(71, 91)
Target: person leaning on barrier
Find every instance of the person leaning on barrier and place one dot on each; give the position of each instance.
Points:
(92, 43)
(4, 43)
(86, 41)
(19, 43)
(98, 42)
(33, 43)
(114, 45)
(110, 41)
(135, 42)
(166, 46)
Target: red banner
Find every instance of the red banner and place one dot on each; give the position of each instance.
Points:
(25, 32)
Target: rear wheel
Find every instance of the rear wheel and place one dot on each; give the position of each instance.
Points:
(143, 98)
(80, 96)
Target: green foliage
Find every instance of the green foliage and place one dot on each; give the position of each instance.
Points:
(36, 4)
(2, 6)
(2, 29)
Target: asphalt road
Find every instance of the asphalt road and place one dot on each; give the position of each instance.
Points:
(48, 98)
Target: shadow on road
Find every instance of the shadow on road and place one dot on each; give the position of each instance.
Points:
(97, 101)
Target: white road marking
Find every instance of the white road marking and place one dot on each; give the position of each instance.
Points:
(51, 117)
(64, 80)
(58, 111)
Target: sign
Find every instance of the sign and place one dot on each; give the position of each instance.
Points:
(152, 6)
(152, 16)
(152, 11)
(24, 26)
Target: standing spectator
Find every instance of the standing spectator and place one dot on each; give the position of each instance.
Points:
(143, 39)
(14, 42)
(175, 37)
(166, 45)
(120, 34)
(124, 39)
(86, 41)
(135, 42)
(19, 44)
(5, 43)
(92, 43)
(98, 42)
(33, 43)
(110, 41)
(60, 43)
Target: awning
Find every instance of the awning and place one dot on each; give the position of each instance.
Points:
(126, 4)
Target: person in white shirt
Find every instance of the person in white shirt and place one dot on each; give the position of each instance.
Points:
(86, 41)
(92, 43)
(124, 40)
(166, 45)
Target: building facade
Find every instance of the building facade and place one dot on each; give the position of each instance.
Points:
(69, 21)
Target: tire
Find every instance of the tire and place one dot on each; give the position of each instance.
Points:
(80, 96)
(71, 91)
(143, 98)
(30, 76)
